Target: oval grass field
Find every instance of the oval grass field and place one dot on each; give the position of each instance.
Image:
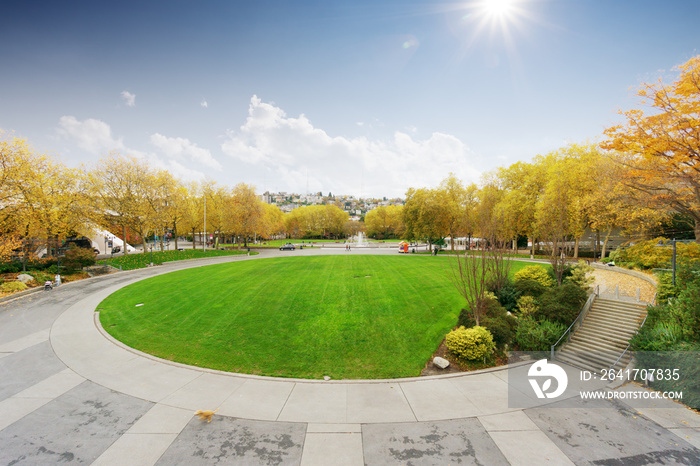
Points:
(348, 317)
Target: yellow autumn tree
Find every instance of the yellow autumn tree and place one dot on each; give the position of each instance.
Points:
(384, 222)
(660, 146)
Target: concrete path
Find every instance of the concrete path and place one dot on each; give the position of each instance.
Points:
(70, 394)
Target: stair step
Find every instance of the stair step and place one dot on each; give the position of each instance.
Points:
(617, 315)
(613, 321)
(590, 328)
(620, 305)
(603, 335)
(591, 361)
(601, 343)
(618, 311)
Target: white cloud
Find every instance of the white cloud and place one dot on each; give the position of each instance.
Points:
(91, 135)
(204, 103)
(95, 137)
(182, 148)
(297, 151)
(128, 98)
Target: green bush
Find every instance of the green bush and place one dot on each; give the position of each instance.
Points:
(41, 277)
(490, 308)
(527, 306)
(76, 258)
(501, 329)
(535, 273)
(470, 344)
(567, 270)
(529, 288)
(561, 304)
(10, 267)
(532, 335)
(581, 275)
(11, 287)
(508, 296)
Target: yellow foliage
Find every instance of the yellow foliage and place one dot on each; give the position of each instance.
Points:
(470, 343)
(535, 273)
(661, 150)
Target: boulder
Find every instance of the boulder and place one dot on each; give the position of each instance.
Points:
(442, 363)
(25, 278)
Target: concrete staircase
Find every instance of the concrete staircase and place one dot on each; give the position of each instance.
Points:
(603, 336)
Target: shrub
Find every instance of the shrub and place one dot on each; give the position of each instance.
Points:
(566, 271)
(561, 304)
(529, 288)
(41, 277)
(10, 267)
(580, 275)
(532, 335)
(535, 273)
(11, 287)
(661, 336)
(527, 305)
(490, 308)
(470, 343)
(508, 296)
(76, 258)
(501, 329)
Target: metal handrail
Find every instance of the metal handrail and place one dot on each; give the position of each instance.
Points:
(653, 301)
(581, 315)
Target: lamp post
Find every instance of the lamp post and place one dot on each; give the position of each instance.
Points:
(673, 259)
(673, 262)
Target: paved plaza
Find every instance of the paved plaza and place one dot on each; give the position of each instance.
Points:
(69, 394)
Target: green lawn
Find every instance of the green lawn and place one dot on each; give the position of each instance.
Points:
(347, 317)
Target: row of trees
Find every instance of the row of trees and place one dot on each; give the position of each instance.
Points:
(42, 198)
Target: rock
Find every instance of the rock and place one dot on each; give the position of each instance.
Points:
(325, 377)
(25, 278)
(441, 362)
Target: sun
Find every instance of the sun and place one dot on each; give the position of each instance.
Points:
(498, 8)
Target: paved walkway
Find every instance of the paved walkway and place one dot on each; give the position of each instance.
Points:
(68, 393)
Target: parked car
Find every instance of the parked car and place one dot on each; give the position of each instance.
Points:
(287, 247)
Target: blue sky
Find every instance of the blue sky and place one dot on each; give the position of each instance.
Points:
(365, 97)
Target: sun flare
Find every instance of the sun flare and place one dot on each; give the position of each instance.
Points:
(498, 7)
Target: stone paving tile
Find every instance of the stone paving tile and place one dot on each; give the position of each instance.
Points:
(338, 449)
(461, 441)
(28, 367)
(257, 399)
(527, 448)
(76, 427)
(227, 440)
(615, 434)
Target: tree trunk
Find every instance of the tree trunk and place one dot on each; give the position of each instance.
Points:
(194, 239)
(124, 248)
(532, 248)
(605, 244)
(697, 228)
(576, 248)
(175, 233)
